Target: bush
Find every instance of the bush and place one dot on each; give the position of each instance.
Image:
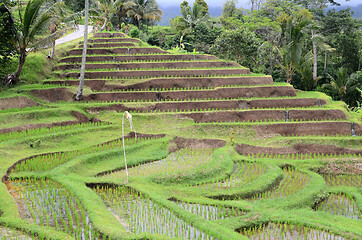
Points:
(33, 67)
(134, 32)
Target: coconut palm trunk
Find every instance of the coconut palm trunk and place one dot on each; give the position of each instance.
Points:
(105, 21)
(315, 56)
(79, 94)
(33, 23)
(14, 77)
(53, 29)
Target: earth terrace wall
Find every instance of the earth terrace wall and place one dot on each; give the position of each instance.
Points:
(114, 40)
(262, 115)
(202, 105)
(160, 57)
(221, 93)
(128, 51)
(309, 129)
(17, 102)
(170, 83)
(149, 65)
(109, 45)
(158, 73)
(299, 148)
(110, 35)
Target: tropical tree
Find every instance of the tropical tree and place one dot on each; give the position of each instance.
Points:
(343, 84)
(240, 45)
(63, 20)
(109, 7)
(204, 7)
(294, 28)
(230, 10)
(190, 18)
(34, 24)
(343, 33)
(79, 94)
(7, 37)
(144, 10)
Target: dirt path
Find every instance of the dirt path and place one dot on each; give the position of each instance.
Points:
(76, 34)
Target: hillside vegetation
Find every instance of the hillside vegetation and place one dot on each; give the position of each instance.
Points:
(220, 153)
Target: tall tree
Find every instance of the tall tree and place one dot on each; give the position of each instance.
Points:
(229, 9)
(255, 4)
(186, 23)
(33, 24)
(294, 28)
(240, 45)
(144, 10)
(204, 7)
(108, 7)
(7, 37)
(342, 84)
(79, 94)
(123, 7)
(343, 32)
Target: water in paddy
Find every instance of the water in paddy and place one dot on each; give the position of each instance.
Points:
(182, 161)
(47, 203)
(243, 173)
(348, 180)
(281, 231)
(211, 212)
(140, 214)
(293, 182)
(339, 204)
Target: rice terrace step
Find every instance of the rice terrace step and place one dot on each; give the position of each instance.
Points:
(167, 145)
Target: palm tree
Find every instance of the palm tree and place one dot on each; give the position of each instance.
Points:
(294, 28)
(63, 20)
(33, 24)
(123, 7)
(343, 84)
(190, 18)
(109, 7)
(144, 10)
(79, 94)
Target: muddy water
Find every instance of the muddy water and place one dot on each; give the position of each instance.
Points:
(47, 203)
(277, 231)
(339, 205)
(138, 214)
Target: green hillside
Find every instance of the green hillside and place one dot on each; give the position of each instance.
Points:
(210, 151)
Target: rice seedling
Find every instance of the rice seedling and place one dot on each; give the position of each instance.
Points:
(293, 182)
(139, 214)
(339, 204)
(285, 231)
(182, 161)
(243, 173)
(48, 130)
(211, 212)
(50, 161)
(348, 180)
(47, 203)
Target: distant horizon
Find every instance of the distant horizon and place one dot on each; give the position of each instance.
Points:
(172, 9)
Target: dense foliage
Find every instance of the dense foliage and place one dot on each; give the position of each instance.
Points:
(7, 37)
(295, 41)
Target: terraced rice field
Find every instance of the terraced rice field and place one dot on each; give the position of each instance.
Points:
(215, 152)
